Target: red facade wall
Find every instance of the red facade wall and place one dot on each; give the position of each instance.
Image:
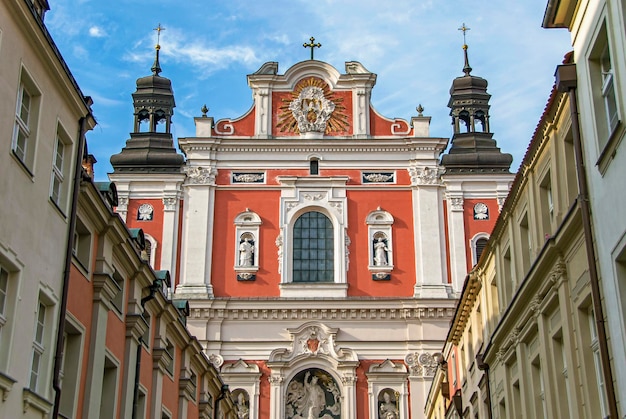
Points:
(399, 205)
(473, 227)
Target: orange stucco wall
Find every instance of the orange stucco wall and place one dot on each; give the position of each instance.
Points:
(380, 126)
(243, 126)
(228, 204)
(153, 227)
(398, 204)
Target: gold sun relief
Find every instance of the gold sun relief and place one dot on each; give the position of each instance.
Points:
(312, 107)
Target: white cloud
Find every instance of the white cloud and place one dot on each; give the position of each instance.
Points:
(96, 32)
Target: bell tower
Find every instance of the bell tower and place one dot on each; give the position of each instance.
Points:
(148, 171)
(151, 147)
(473, 148)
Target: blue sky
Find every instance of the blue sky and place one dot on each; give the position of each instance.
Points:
(208, 48)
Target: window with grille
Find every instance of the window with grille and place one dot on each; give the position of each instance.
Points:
(313, 248)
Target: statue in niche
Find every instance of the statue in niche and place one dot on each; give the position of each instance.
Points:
(241, 404)
(313, 394)
(246, 252)
(380, 252)
(388, 407)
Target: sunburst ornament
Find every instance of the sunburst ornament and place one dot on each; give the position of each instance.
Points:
(312, 108)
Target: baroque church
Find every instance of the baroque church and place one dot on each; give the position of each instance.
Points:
(321, 245)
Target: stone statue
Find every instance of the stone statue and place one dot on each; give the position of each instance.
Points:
(246, 253)
(315, 399)
(243, 412)
(380, 252)
(388, 409)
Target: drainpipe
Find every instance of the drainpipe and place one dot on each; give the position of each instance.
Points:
(216, 407)
(152, 288)
(566, 81)
(483, 366)
(78, 172)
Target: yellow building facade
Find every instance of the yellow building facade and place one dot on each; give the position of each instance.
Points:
(524, 342)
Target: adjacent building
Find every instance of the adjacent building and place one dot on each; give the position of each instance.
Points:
(86, 325)
(321, 245)
(43, 117)
(598, 34)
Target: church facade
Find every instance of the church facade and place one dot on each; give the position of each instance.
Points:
(321, 245)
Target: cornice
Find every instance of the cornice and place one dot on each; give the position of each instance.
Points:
(323, 314)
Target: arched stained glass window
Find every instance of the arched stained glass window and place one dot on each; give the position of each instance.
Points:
(313, 248)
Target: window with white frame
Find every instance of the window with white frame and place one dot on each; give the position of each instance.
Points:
(57, 171)
(597, 362)
(39, 348)
(4, 297)
(477, 245)
(9, 276)
(603, 88)
(313, 246)
(150, 250)
(26, 115)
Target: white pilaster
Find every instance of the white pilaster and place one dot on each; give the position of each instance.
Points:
(171, 208)
(197, 249)
(430, 256)
(456, 235)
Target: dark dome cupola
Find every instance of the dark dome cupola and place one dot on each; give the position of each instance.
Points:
(473, 148)
(151, 147)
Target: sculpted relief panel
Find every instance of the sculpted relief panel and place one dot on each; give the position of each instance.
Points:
(312, 108)
(313, 393)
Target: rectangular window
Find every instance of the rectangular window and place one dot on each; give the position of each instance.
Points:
(38, 348)
(70, 369)
(546, 203)
(7, 311)
(109, 390)
(172, 352)
(603, 83)
(118, 300)
(525, 244)
(57, 187)
(81, 246)
(25, 126)
(21, 133)
(597, 362)
(608, 89)
(507, 278)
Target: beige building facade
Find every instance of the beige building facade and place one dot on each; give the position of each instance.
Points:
(598, 32)
(42, 116)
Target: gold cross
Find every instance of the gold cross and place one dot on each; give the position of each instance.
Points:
(312, 45)
(159, 29)
(464, 29)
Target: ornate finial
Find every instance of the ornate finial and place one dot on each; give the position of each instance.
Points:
(156, 67)
(420, 110)
(204, 110)
(466, 68)
(312, 45)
